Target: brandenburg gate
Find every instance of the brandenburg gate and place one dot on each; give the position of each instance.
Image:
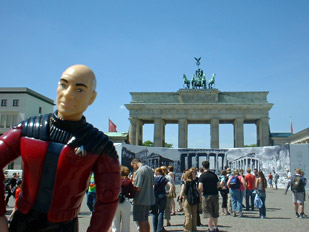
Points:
(199, 106)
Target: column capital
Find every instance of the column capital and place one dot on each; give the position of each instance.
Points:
(239, 120)
(133, 120)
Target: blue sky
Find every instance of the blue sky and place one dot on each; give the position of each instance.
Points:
(146, 45)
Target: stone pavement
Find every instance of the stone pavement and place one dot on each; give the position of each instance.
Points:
(280, 216)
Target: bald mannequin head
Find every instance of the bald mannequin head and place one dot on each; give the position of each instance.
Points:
(82, 70)
(75, 92)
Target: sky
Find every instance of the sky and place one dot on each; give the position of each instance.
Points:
(147, 45)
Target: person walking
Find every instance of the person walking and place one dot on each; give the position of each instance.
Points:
(170, 196)
(195, 178)
(237, 186)
(224, 191)
(298, 184)
(276, 178)
(288, 177)
(16, 194)
(144, 194)
(10, 186)
(91, 194)
(256, 173)
(172, 174)
(261, 185)
(250, 180)
(121, 222)
(191, 198)
(160, 200)
(229, 200)
(270, 180)
(208, 188)
(179, 198)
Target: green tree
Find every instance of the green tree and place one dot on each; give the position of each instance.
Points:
(252, 145)
(148, 143)
(168, 145)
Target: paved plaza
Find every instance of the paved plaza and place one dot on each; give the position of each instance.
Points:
(280, 217)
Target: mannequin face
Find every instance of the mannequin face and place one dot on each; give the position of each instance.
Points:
(75, 92)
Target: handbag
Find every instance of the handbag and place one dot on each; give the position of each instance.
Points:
(172, 194)
(258, 201)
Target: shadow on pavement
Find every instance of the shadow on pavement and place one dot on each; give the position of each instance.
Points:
(272, 209)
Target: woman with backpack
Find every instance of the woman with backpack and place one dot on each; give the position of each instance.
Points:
(121, 220)
(191, 197)
(261, 185)
(237, 187)
(224, 191)
(161, 199)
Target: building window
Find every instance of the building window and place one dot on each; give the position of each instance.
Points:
(40, 110)
(15, 102)
(11, 165)
(4, 102)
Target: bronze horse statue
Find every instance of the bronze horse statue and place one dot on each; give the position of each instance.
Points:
(211, 82)
(186, 82)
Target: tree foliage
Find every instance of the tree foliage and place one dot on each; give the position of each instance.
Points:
(149, 143)
(251, 145)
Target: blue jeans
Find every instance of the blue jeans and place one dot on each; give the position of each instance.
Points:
(158, 213)
(236, 197)
(91, 198)
(262, 195)
(250, 195)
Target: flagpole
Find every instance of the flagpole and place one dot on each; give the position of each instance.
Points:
(291, 124)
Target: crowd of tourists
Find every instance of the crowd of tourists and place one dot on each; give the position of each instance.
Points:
(153, 191)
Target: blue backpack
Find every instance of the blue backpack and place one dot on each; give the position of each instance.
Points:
(235, 183)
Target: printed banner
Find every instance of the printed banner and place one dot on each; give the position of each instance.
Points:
(272, 159)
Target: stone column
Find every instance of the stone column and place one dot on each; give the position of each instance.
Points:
(265, 132)
(139, 132)
(214, 133)
(216, 162)
(262, 132)
(197, 161)
(183, 162)
(158, 138)
(182, 133)
(189, 160)
(258, 141)
(132, 131)
(238, 132)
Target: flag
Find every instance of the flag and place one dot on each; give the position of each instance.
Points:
(291, 126)
(111, 126)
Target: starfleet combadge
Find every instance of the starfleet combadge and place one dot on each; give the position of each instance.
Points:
(80, 151)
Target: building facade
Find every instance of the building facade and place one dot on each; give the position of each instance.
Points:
(18, 104)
